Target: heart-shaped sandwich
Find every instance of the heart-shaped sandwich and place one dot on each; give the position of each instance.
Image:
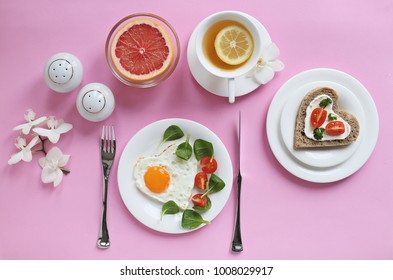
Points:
(320, 122)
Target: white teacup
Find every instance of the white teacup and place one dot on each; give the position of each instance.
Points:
(247, 66)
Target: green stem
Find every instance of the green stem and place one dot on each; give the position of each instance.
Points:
(42, 145)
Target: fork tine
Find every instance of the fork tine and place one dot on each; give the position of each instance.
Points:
(108, 139)
(113, 140)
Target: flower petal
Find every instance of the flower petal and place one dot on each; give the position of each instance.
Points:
(52, 135)
(15, 158)
(27, 155)
(271, 52)
(264, 75)
(54, 154)
(30, 115)
(277, 65)
(42, 162)
(42, 131)
(58, 178)
(63, 160)
(63, 128)
(52, 122)
(48, 175)
(23, 127)
(33, 142)
(38, 121)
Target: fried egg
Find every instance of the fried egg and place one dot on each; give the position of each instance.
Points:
(166, 177)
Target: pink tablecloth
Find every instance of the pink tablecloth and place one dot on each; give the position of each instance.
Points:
(283, 217)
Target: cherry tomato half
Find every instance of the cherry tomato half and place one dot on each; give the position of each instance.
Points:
(200, 180)
(318, 117)
(335, 128)
(208, 165)
(198, 200)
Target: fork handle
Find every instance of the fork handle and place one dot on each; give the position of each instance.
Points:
(103, 240)
(237, 245)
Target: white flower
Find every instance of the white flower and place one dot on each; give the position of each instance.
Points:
(52, 166)
(56, 127)
(31, 122)
(25, 153)
(268, 64)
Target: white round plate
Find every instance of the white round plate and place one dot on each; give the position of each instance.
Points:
(145, 143)
(217, 85)
(319, 157)
(300, 163)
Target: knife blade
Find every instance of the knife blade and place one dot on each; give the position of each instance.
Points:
(237, 245)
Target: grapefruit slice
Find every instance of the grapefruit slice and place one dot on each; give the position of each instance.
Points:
(233, 45)
(142, 50)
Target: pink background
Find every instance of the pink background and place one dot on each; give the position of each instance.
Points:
(283, 217)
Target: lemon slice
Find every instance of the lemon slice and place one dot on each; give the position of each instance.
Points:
(233, 45)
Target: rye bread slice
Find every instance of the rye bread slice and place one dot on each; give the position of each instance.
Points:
(301, 141)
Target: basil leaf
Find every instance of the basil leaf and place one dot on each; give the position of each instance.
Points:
(169, 207)
(215, 184)
(207, 206)
(192, 219)
(173, 132)
(332, 117)
(184, 150)
(325, 102)
(202, 149)
(318, 133)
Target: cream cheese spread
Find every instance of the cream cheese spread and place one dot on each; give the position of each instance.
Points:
(309, 129)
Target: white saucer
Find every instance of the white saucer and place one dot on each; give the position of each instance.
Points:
(216, 85)
(355, 97)
(319, 157)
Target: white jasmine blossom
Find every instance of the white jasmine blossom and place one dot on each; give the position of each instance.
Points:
(56, 128)
(31, 122)
(268, 64)
(25, 153)
(53, 166)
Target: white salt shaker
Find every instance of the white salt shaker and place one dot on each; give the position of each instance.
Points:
(63, 72)
(95, 102)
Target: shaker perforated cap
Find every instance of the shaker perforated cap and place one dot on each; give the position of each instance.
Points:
(95, 102)
(63, 72)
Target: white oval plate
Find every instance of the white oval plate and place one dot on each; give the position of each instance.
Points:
(144, 143)
(369, 127)
(319, 157)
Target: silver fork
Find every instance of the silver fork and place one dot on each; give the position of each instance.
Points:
(108, 151)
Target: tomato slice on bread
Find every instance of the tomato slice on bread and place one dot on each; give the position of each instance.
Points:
(318, 117)
(335, 128)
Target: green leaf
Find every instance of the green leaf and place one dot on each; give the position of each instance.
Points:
(173, 132)
(325, 102)
(202, 149)
(215, 184)
(318, 133)
(332, 117)
(207, 206)
(184, 150)
(192, 219)
(169, 207)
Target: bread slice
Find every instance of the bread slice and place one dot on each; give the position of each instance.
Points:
(301, 141)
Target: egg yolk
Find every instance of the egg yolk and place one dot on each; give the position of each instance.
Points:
(157, 179)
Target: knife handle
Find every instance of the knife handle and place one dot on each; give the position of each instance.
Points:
(237, 245)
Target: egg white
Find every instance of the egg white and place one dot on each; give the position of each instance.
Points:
(182, 173)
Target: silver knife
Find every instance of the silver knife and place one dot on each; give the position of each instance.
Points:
(237, 245)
